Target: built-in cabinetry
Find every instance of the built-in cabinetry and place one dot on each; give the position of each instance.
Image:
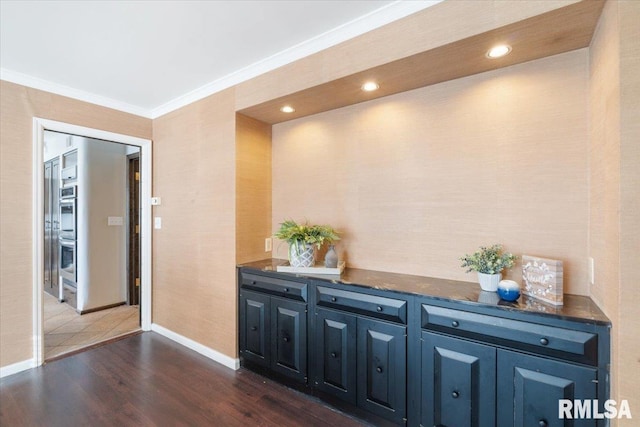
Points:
(360, 350)
(273, 325)
(69, 173)
(469, 359)
(458, 382)
(412, 358)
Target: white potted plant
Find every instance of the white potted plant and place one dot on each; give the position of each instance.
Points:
(303, 239)
(489, 263)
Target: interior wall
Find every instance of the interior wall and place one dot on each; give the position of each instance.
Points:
(194, 283)
(19, 105)
(253, 188)
(604, 173)
(102, 248)
(615, 187)
(629, 321)
(416, 180)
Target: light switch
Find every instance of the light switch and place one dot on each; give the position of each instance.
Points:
(115, 220)
(156, 201)
(157, 222)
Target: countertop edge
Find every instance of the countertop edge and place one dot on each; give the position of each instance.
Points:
(531, 306)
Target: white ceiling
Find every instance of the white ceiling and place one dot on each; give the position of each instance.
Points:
(150, 57)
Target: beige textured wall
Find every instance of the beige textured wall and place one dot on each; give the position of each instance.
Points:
(604, 173)
(19, 106)
(615, 188)
(629, 322)
(418, 179)
(194, 171)
(253, 188)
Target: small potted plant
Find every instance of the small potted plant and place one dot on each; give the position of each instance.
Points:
(303, 239)
(489, 263)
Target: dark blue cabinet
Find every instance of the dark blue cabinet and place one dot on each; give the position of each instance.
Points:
(413, 360)
(289, 338)
(255, 327)
(530, 388)
(335, 355)
(362, 361)
(273, 333)
(382, 368)
(458, 382)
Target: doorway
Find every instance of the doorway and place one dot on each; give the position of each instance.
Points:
(133, 259)
(143, 149)
(94, 203)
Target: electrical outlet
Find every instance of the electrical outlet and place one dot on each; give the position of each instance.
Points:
(157, 222)
(592, 271)
(267, 244)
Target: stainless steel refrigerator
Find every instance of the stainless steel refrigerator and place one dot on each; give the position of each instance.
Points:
(51, 227)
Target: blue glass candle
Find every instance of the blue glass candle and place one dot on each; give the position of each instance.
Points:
(508, 290)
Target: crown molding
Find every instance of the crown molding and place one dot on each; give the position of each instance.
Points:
(58, 89)
(363, 24)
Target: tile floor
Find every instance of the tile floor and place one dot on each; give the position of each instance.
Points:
(65, 330)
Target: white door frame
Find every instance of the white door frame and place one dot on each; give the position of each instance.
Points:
(39, 126)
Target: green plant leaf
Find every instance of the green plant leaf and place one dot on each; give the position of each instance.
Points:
(488, 260)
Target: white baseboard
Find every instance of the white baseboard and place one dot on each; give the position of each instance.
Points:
(212, 354)
(17, 367)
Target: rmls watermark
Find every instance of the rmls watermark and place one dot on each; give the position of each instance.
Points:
(589, 409)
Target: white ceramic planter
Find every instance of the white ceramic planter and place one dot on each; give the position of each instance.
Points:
(489, 282)
(302, 255)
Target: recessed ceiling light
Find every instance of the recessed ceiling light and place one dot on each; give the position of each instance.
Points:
(498, 51)
(370, 86)
(287, 109)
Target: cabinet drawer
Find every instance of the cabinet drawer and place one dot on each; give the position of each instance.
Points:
(577, 345)
(384, 308)
(284, 288)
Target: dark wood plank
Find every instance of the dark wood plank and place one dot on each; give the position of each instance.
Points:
(148, 380)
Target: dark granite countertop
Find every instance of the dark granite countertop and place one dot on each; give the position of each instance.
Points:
(576, 307)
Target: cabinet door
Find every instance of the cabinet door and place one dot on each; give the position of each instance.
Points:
(382, 368)
(530, 389)
(458, 382)
(289, 338)
(335, 356)
(254, 327)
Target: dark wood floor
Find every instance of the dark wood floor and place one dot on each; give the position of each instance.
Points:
(148, 380)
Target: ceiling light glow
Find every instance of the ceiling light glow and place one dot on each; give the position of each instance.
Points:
(287, 109)
(499, 51)
(370, 86)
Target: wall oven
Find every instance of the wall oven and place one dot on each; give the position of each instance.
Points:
(67, 236)
(68, 222)
(68, 271)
